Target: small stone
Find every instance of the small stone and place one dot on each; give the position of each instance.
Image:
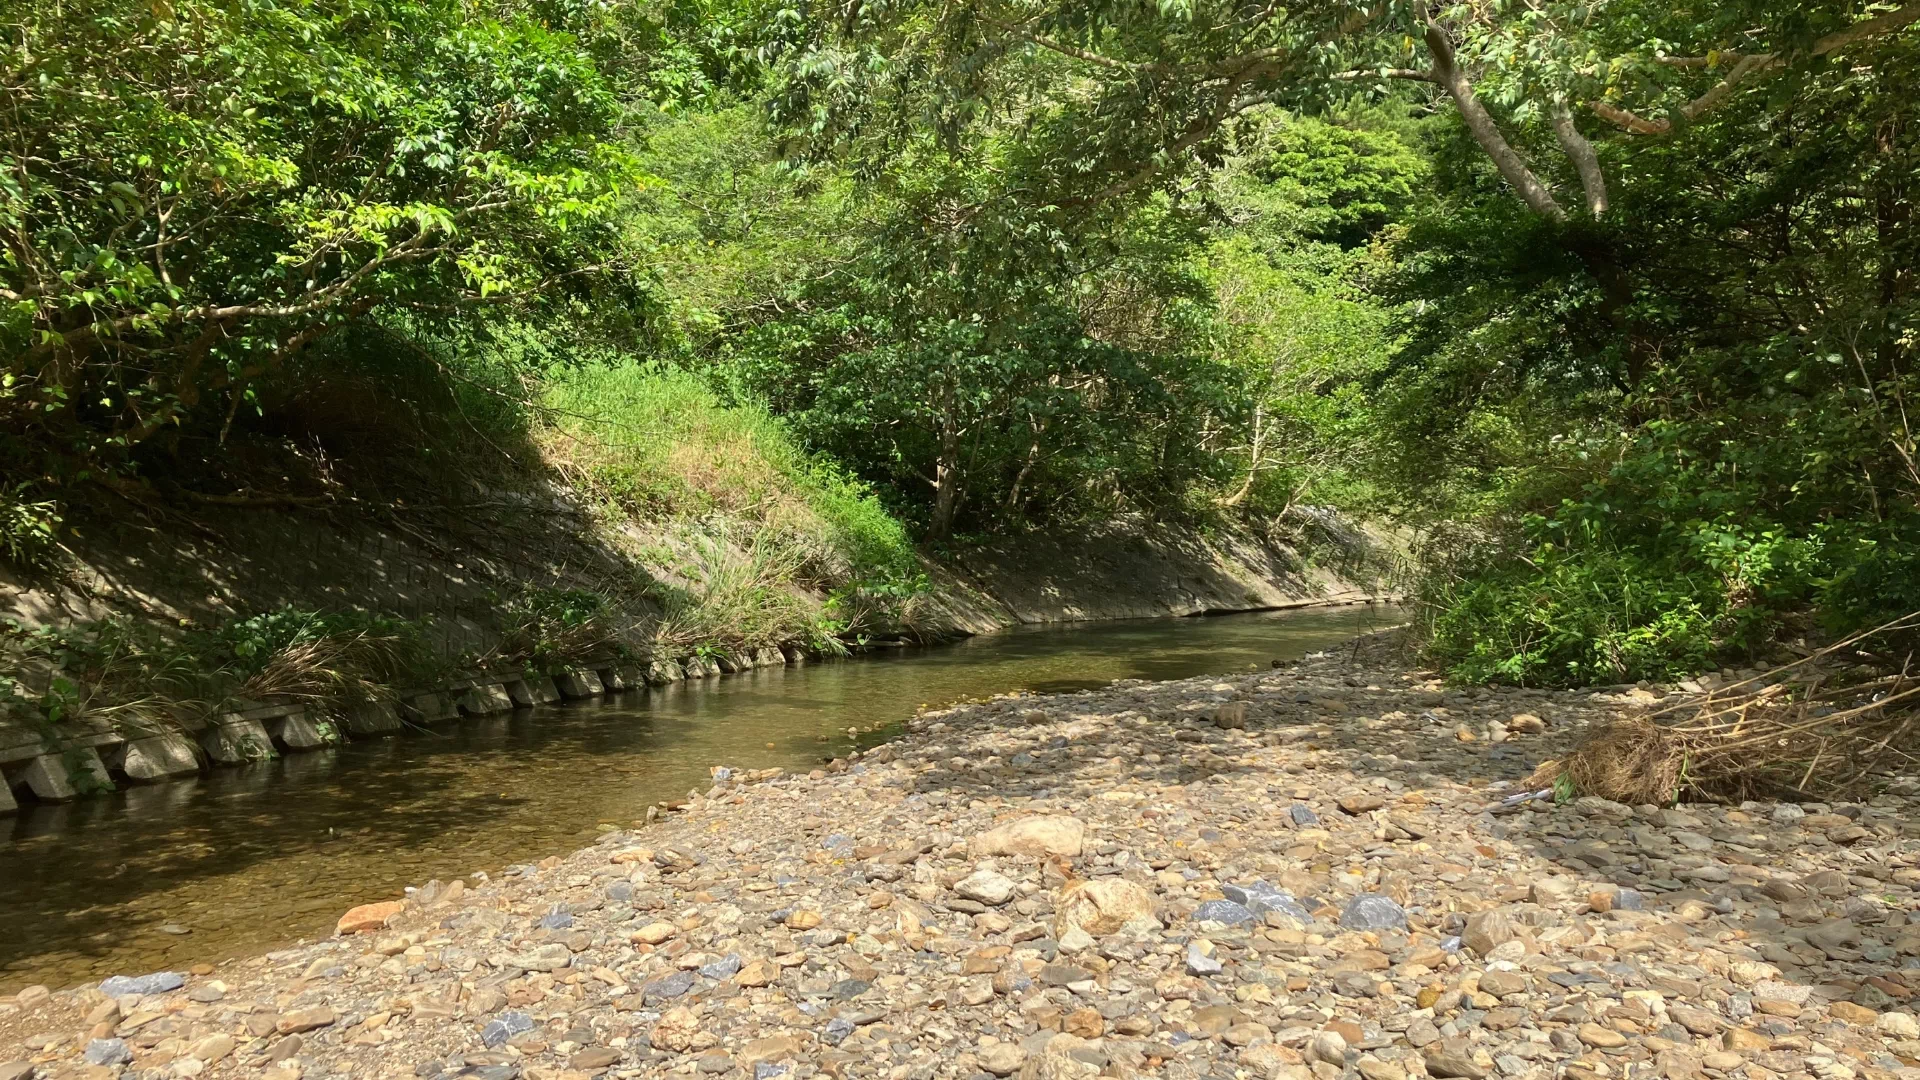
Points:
(594, 1060)
(1502, 983)
(1371, 911)
(369, 917)
(1550, 891)
(305, 1020)
(17, 1070)
(1104, 906)
(1064, 975)
(1038, 836)
(771, 1048)
(1225, 911)
(836, 1031)
(1084, 1024)
(213, 1048)
(1600, 1037)
(1453, 1065)
(1303, 816)
(1898, 1025)
(1696, 1021)
(655, 933)
(1833, 935)
(985, 886)
(1485, 932)
(1374, 1069)
(1200, 962)
(803, 919)
(667, 988)
(504, 1027)
(758, 973)
(1848, 1012)
(675, 1030)
(1262, 899)
(107, 1052)
(1330, 1047)
(724, 968)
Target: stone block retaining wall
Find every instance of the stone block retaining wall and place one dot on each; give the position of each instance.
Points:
(89, 755)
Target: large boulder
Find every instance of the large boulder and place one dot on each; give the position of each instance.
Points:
(1037, 836)
(1103, 906)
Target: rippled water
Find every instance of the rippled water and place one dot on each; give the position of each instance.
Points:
(246, 859)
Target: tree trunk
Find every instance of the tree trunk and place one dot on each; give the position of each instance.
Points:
(1253, 459)
(1485, 132)
(946, 477)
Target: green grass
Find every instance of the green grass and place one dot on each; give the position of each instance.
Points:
(658, 443)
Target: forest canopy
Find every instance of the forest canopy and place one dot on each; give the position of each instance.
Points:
(1609, 308)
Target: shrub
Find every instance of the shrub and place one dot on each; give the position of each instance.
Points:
(1572, 621)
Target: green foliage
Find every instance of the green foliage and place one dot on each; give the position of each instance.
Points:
(246, 648)
(1628, 291)
(1319, 182)
(730, 592)
(29, 528)
(1559, 621)
(197, 191)
(546, 629)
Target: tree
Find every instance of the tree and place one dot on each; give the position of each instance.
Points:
(196, 191)
(1158, 83)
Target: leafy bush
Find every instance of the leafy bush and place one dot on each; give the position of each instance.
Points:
(1574, 621)
(29, 528)
(548, 628)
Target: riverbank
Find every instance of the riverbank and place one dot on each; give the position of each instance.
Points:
(146, 878)
(244, 634)
(1111, 882)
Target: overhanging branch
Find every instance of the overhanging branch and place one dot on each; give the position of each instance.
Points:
(1747, 67)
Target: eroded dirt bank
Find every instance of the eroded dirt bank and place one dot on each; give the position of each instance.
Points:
(1113, 883)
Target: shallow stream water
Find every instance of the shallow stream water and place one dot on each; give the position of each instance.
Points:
(243, 860)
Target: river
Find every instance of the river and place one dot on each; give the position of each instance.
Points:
(243, 860)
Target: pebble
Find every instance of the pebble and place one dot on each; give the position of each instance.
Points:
(503, 1027)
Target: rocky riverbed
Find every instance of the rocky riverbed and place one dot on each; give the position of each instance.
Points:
(1310, 872)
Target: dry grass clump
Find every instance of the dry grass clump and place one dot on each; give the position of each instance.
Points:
(1822, 727)
(336, 670)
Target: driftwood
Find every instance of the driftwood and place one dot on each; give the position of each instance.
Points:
(1825, 726)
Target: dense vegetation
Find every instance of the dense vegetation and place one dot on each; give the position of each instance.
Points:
(1611, 307)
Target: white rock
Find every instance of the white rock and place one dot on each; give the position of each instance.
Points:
(986, 886)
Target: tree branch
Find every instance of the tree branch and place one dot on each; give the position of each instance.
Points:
(1485, 132)
(1748, 66)
(1593, 181)
(1410, 74)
